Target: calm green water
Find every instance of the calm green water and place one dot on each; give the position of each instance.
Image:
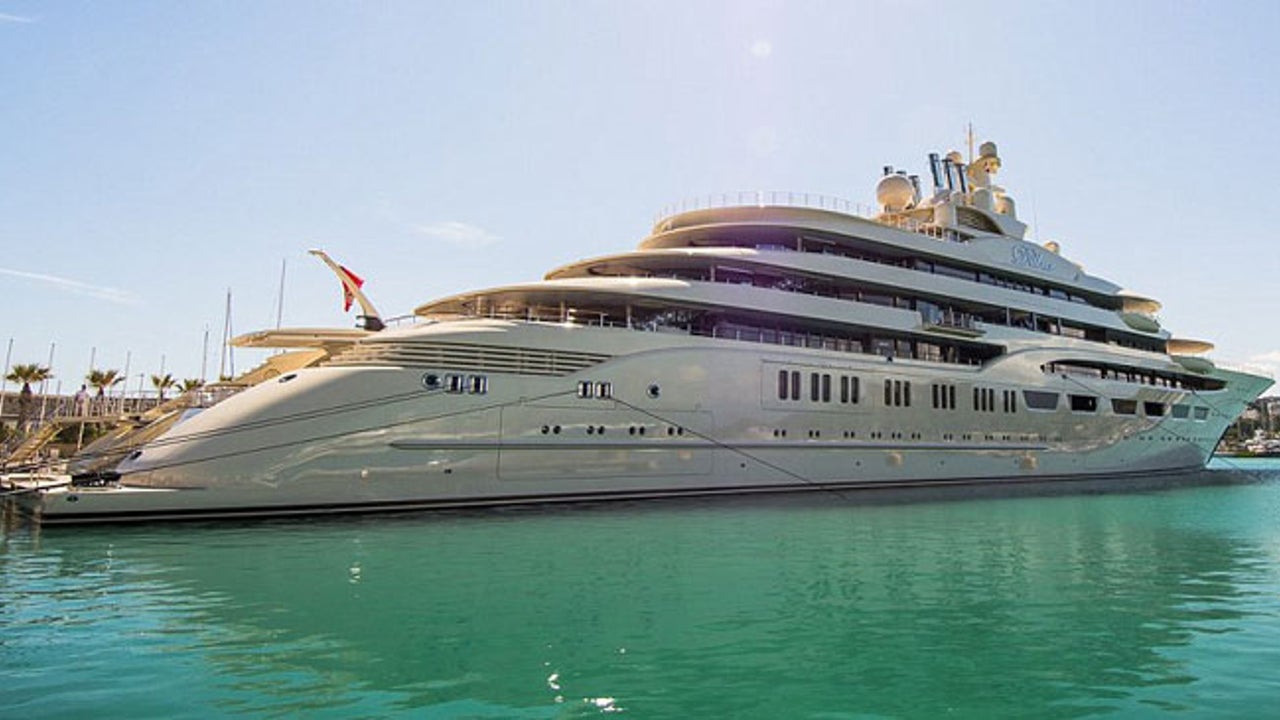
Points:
(1132, 604)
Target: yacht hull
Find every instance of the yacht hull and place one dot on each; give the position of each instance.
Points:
(670, 417)
(124, 504)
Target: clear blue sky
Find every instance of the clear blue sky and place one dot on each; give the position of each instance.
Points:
(157, 153)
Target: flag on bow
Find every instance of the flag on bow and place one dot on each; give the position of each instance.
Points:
(348, 296)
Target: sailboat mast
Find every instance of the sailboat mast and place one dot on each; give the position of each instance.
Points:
(4, 379)
(280, 298)
(228, 357)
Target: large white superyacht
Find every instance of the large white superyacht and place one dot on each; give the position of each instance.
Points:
(762, 342)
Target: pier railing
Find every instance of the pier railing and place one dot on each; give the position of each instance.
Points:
(43, 408)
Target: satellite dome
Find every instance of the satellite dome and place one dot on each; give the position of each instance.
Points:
(895, 193)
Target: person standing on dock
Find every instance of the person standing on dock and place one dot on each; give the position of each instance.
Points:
(81, 406)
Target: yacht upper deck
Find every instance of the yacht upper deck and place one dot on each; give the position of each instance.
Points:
(966, 223)
(689, 210)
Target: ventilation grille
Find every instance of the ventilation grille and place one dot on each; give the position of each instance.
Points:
(976, 220)
(466, 357)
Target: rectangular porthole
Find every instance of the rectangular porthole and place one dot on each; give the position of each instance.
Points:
(1083, 403)
(1040, 400)
(455, 383)
(1124, 407)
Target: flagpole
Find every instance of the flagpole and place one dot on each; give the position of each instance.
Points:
(351, 291)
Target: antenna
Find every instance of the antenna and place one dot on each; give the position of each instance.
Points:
(1035, 218)
(970, 138)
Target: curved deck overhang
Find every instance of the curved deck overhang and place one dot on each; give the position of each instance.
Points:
(982, 251)
(1136, 303)
(300, 338)
(613, 301)
(1122, 362)
(578, 294)
(835, 268)
(1188, 346)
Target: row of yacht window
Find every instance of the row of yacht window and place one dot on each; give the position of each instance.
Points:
(820, 387)
(1127, 374)
(897, 393)
(725, 325)
(932, 311)
(933, 266)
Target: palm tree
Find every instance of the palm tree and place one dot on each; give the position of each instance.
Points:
(102, 380)
(191, 384)
(27, 374)
(162, 383)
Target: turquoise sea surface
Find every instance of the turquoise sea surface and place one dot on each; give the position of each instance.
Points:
(1145, 600)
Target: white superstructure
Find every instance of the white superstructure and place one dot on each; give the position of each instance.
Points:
(773, 342)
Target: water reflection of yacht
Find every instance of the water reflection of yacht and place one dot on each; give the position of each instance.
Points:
(764, 342)
(1068, 590)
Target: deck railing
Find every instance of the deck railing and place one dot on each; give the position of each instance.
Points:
(767, 198)
(811, 201)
